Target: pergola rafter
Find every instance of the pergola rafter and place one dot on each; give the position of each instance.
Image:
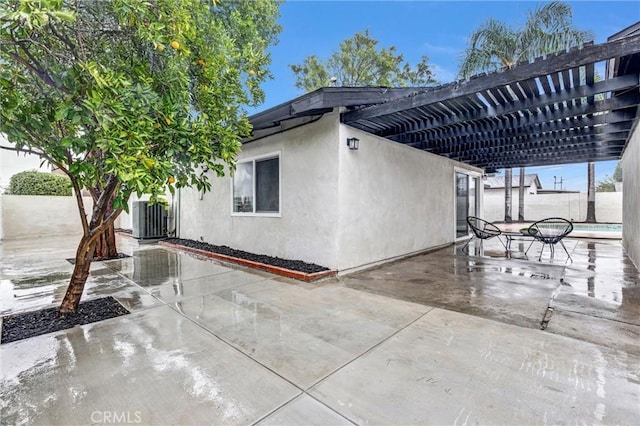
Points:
(549, 110)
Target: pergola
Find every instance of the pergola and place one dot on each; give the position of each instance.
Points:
(551, 110)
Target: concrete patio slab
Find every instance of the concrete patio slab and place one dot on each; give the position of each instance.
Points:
(300, 333)
(601, 331)
(601, 283)
(509, 290)
(304, 410)
(451, 368)
(211, 343)
(183, 289)
(155, 367)
(33, 291)
(157, 266)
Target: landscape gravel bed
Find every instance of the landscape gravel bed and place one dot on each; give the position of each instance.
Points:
(35, 323)
(295, 265)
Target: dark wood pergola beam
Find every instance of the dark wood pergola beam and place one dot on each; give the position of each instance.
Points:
(555, 63)
(618, 83)
(457, 145)
(543, 161)
(532, 154)
(619, 105)
(499, 147)
(615, 122)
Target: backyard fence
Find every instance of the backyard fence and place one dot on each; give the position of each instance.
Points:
(569, 205)
(29, 216)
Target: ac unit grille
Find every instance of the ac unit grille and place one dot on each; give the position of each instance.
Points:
(149, 220)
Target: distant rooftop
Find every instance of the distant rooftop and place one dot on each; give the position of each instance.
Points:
(498, 181)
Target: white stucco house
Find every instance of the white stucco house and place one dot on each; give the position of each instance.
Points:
(494, 184)
(300, 192)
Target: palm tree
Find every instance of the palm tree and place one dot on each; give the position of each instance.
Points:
(591, 192)
(521, 196)
(508, 176)
(495, 46)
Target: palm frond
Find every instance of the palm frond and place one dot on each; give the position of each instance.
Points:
(548, 29)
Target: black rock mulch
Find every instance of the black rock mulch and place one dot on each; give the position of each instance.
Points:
(35, 323)
(295, 265)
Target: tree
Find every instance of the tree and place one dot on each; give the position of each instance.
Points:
(495, 46)
(617, 173)
(608, 184)
(508, 176)
(130, 96)
(591, 192)
(521, 196)
(360, 62)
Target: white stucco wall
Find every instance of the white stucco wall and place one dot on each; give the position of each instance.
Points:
(394, 200)
(12, 162)
(631, 201)
(339, 208)
(26, 216)
(307, 227)
(570, 205)
(494, 203)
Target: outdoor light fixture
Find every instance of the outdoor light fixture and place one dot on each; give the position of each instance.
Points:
(353, 143)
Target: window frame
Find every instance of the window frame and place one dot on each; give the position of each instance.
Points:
(253, 160)
(471, 174)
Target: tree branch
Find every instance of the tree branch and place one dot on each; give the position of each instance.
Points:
(99, 207)
(26, 151)
(62, 37)
(96, 232)
(80, 202)
(39, 154)
(41, 74)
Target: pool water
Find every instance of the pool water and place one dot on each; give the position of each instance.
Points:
(597, 228)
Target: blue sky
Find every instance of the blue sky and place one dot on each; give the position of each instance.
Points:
(437, 29)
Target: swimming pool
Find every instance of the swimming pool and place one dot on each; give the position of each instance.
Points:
(597, 227)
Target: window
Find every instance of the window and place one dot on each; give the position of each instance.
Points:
(256, 186)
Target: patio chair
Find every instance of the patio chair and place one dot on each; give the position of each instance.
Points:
(550, 232)
(482, 230)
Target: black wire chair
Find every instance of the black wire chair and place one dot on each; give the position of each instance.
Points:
(482, 230)
(550, 232)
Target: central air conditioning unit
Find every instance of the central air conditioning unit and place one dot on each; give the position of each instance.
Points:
(149, 220)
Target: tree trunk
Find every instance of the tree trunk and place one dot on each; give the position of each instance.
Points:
(521, 196)
(102, 218)
(84, 257)
(106, 245)
(591, 192)
(507, 195)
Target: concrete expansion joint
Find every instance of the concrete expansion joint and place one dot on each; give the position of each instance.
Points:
(232, 346)
(296, 397)
(389, 337)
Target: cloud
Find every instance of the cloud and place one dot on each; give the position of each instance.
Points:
(445, 50)
(442, 74)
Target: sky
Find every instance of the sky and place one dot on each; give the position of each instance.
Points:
(437, 29)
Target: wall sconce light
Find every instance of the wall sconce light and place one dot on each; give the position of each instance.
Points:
(353, 143)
